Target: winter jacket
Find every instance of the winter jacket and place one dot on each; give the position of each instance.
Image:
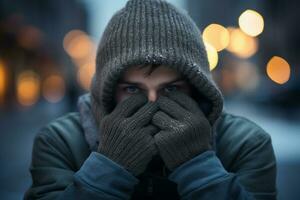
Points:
(64, 166)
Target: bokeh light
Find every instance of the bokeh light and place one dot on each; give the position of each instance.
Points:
(54, 88)
(240, 44)
(78, 44)
(85, 74)
(278, 70)
(83, 53)
(2, 81)
(28, 88)
(212, 55)
(30, 37)
(246, 76)
(251, 22)
(217, 36)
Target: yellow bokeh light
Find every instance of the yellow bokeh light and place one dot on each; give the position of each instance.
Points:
(212, 55)
(251, 22)
(54, 88)
(217, 36)
(241, 44)
(85, 74)
(28, 88)
(78, 44)
(278, 70)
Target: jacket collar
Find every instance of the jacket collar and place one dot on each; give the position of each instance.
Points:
(88, 122)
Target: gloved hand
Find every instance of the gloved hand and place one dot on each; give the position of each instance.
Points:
(127, 134)
(185, 131)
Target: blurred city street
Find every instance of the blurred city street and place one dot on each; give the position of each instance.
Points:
(17, 133)
(47, 59)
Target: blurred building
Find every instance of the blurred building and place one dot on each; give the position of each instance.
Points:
(243, 73)
(33, 63)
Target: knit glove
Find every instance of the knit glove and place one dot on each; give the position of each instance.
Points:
(185, 131)
(127, 134)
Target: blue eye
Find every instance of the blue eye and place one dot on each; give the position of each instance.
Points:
(170, 88)
(131, 89)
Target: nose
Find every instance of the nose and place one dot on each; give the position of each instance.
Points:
(152, 95)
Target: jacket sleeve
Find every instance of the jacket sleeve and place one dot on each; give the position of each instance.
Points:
(252, 174)
(204, 177)
(54, 177)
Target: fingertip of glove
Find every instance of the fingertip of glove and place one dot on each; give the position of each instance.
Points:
(136, 99)
(150, 107)
(162, 100)
(140, 97)
(176, 94)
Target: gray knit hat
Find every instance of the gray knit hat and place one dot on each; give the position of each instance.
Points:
(151, 32)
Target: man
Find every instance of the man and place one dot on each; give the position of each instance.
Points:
(153, 126)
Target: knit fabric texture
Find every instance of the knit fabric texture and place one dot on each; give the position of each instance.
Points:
(151, 32)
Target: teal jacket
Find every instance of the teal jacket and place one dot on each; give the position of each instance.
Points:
(242, 166)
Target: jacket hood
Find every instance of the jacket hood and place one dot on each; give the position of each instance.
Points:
(147, 32)
(88, 122)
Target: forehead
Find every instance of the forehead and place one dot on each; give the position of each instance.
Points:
(136, 73)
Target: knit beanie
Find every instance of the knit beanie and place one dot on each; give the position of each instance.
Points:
(151, 32)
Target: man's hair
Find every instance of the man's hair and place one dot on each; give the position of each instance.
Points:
(152, 68)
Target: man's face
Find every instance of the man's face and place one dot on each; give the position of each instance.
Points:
(161, 81)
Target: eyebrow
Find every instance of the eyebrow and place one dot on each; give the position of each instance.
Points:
(162, 84)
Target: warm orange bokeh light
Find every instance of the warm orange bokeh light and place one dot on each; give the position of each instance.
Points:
(54, 88)
(217, 36)
(278, 70)
(78, 44)
(30, 37)
(85, 74)
(28, 88)
(241, 44)
(2, 81)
